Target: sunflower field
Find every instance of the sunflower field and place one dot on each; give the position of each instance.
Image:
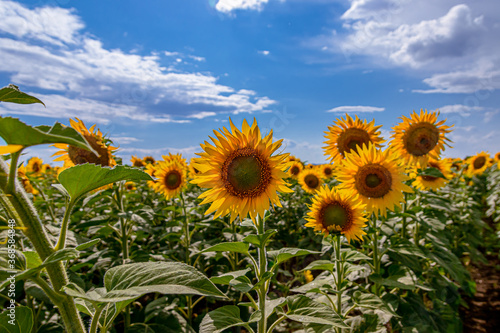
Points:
(385, 237)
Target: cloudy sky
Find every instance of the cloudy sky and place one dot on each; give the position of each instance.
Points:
(158, 76)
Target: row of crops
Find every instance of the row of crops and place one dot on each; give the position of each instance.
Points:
(245, 237)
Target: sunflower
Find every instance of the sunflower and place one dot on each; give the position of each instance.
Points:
(241, 173)
(497, 157)
(130, 186)
(171, 178)
(137, 162)
(72, 155)
(327, 171)
(34, 166)
(350, 134)
(478, 164)
(308, 276)
(192, 170)
(420, 137)
(430, 182)
(337, 211)
(21, 174)
(149, 160)
(151, 170)
(310, 180)
(376, 176)
(175, 158)
(295, 169)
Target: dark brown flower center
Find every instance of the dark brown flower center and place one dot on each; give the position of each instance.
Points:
(479, 162)
(421, 138)
(81, 156)
(172, 180)
(245, 173)
(295, 170)
(36, 167)
(351, 139)
(327, 171)
(336, 216)
(149, 159)
(373, 181)
(311, 181)
(138, 163)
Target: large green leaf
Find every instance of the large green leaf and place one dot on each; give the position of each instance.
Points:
(286, 253)
(259, 240)
(371, 301)
(218, 320)
(12, 94)
(21, 322)
(238, 247)
(83, 178)
(322, 265)
(399, 277)
(15, 132)
(305, 310)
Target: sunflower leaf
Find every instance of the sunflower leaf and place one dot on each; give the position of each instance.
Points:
(238, 247)
(305, 310)
(22, 322)
(12, 94)
(259, 240)
(431, 172)
(15, 132)
(220, 319)
(84, 178)
(286, 253)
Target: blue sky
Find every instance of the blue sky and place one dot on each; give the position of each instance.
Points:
(159, 76)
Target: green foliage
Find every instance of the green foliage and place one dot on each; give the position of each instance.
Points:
(21, 322)
(12, 94)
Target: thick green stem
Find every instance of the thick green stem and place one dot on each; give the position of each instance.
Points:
(95, 319)
(61, 242)
(19, 207)
(376, 258)
(262, 270)
(339, 276)
(12, 172)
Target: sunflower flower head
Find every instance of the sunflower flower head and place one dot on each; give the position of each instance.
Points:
(72, 155)
(171, 178)
(327, 171)
(241, 173)
(337, 211)
(137, 162)
(349, 134)
(311, 180)
(295, 169)
(376, 176)
(149, 160)
(434, 183)
(420, 137)
(477, 164)
(35, 166)
(23, 178)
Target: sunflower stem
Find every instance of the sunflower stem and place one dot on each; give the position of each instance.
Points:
(14, 157)
(376, 259)
(337, 244)
(61, 242)
(262, 271)
(187, 240)
(403, 210)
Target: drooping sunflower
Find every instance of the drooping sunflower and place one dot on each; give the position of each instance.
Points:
(72, 155)
(327, 171)
(34, 166)
(241, 173)
(430, 182)
(335, 210)
(420, 137)
(295, 169)
(348, 134)
(21, 174)
(376, 176)
(310, 180)
(478, 164)
(171, 178)
(137, 162)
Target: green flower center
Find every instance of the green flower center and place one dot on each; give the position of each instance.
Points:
(373, 180)
(336, 217)
(245, 173)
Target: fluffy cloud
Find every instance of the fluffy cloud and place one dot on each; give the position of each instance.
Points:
(354, 109)
(449, 42)
(54, 54)
(227, 6)
(463, 110)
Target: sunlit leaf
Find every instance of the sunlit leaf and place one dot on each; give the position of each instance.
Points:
(12, 94)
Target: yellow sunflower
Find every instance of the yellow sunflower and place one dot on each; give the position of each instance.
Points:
(175, 158)
(429, 182)
(192, 170)
(350, 134)
(308, 276)
(376, 176)
(420, 137)
(151, 170)
(478, 164)
(130, 186)
(337, 211)
(310, 180)
(72, 155)
(295, 169)
(171, 178)
(241, 173)
(327, 171)
(137, 162)
(34, 166)
(497, 157)
(21, 174)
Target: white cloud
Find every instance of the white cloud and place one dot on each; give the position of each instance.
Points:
(312, 153)
(187, 152)
(264, 52)
(461, 109)
(105, 83)
(227, 6)
(453, 44)
(354, 109)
